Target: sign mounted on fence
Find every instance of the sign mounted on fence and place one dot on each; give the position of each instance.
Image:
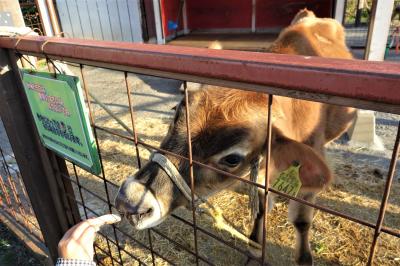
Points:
(61, 117)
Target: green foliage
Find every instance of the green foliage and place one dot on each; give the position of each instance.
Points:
(319, 247)
(4, 243)
(12, 251)
(351, 12)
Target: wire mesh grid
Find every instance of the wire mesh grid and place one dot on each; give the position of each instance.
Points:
(14, 200)
(108, 248)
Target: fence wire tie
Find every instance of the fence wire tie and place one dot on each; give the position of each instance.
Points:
(19, 39)
(48, 59)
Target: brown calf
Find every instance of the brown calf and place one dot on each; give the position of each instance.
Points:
(228, 129)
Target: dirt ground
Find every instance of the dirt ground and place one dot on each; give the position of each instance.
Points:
(13, 252)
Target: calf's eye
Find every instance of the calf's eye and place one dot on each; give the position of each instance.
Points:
(231, 160)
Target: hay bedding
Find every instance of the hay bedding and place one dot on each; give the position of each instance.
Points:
(335, 241)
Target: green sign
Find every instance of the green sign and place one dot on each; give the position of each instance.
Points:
(61, 117)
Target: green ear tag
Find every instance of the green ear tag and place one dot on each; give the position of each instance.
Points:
(288, 181)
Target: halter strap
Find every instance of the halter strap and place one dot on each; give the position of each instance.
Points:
(173, 174)
(254, 204)
(183, 187)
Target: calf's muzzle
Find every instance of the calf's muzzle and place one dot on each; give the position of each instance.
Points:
(147, 198)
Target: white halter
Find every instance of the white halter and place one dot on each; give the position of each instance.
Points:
(173, 174)
(183, 187)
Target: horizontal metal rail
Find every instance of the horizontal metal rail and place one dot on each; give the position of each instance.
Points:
(362, 84)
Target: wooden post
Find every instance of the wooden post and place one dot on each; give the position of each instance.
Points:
(379, 26)
(363, 130)
(55, 22)
(253, 15)
(40, 168)
(360, 7)
(339, 10)
(185, 19)
(45, 17)
(157, 18)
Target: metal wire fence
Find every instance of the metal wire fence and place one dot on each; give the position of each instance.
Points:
(15, 206)
(194, 65)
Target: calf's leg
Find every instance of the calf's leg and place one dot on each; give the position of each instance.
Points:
(257, 233)
(301, 216)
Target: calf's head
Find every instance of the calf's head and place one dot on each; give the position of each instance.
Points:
(228, 132)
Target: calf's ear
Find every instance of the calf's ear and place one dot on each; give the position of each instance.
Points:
(314, 172)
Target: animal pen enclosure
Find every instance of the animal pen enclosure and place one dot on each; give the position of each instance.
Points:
(62, 193)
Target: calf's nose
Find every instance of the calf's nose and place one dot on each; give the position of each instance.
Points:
(125, 207)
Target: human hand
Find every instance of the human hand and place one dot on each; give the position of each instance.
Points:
(77, 243)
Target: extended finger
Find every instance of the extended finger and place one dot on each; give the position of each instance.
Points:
(104, 219)
(87, 237)
(96, 223)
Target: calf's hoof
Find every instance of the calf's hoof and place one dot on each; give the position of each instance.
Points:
(305, 259)
(253, 262)
(256, 252)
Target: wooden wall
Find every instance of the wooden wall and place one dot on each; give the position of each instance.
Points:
(237, 14)
(114, 20)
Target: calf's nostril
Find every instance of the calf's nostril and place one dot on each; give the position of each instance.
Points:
(143, 212)
(120, 204)
(127, 209)
(135, 210)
